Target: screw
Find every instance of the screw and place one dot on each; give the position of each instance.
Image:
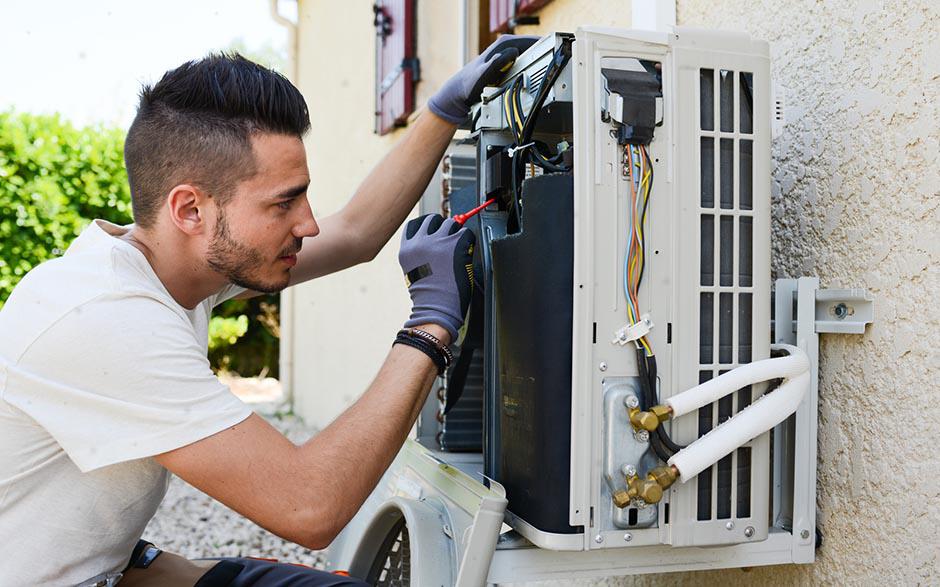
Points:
(749, 531)
(641, 436)
(627, 537)
(729, 526)
(602, 366)
(804, 534)
(841, 311)
(631, 401)
(628, 470)
(598, 539)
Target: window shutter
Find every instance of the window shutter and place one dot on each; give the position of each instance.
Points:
(396, 66)
(506, 14)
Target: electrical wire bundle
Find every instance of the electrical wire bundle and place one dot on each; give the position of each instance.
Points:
(524, 149)
(638, 171)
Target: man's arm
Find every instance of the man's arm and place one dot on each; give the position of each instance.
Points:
(308, 493)
(358, 232)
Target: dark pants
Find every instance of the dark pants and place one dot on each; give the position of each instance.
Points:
(249, 572)
(151, 567)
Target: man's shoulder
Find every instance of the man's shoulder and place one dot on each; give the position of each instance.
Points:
(77, 304)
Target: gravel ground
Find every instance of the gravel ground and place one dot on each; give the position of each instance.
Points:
(192, 524)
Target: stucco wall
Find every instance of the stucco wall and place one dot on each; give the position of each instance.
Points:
(856, 196)
(343, 324)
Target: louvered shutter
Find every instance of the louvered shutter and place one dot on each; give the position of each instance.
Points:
(396, 67)
(503, 11)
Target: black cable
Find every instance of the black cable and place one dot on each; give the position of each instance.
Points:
(647, 400)
(523, 135)
(660, 430)
(559, 60)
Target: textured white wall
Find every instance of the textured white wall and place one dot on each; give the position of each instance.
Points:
(856, 196)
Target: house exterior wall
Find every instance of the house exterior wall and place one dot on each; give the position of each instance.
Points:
(343, 325)
(856, 202)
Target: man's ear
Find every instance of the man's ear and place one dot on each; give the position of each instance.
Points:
(187, 206)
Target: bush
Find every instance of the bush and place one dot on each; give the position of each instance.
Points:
(54, 179)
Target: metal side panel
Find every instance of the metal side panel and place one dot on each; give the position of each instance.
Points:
(723, 271)
(602, 220)
(600, 239)
(728, 317)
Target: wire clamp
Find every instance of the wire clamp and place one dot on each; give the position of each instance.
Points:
(512, 150)
(632, 332)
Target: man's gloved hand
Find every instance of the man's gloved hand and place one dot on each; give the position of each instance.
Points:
(452, 102)
(437, 258)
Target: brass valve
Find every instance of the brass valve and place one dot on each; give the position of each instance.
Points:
(664, 476)
(622, 498)
(650, 490)
(648, 421)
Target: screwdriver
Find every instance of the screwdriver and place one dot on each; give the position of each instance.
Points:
(461, 218)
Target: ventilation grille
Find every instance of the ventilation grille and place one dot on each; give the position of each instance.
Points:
(725, 273)
(533, 81)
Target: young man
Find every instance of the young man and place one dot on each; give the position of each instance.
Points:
(105, 388)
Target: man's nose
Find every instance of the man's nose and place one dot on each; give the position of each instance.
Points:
(308, 225)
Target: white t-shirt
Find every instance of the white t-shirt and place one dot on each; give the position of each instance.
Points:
(100, 370)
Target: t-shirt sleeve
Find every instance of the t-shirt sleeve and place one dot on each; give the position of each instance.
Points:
(121, 379)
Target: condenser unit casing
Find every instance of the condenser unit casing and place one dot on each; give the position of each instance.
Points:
(527, 447)
(706, 288)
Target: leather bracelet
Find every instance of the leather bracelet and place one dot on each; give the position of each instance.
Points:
(433, 340)
(436, 356)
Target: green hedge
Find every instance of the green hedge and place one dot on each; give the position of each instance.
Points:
(54, 179)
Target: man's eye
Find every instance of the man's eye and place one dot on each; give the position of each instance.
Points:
(285, 205)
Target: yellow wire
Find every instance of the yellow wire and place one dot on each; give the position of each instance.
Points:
(517, 117)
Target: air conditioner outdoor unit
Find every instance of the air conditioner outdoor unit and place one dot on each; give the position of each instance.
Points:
(616, 387)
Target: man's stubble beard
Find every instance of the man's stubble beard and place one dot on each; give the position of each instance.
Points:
(238, 262)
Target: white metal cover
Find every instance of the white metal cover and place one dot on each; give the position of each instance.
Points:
(676, 290)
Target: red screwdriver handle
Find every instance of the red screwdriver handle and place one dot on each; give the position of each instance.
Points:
(461, 218)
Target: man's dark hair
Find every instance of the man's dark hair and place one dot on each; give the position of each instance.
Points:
(195, 126)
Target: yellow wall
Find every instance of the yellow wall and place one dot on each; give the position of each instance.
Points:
(342, 325)
(568, 15)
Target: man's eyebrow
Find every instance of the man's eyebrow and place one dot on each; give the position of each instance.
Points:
(291, 192)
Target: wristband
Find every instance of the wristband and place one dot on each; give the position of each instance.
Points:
(426, 347)
(448, 355)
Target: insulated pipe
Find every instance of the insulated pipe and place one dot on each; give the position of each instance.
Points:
(759, 417)
(756, 372)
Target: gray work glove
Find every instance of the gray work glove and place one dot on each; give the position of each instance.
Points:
(452, 102)
(437, 258)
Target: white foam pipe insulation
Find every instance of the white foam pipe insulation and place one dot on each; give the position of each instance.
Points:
(759, 417)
